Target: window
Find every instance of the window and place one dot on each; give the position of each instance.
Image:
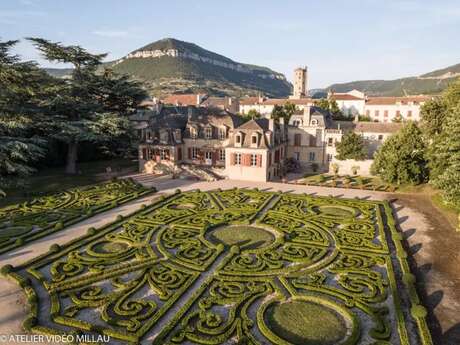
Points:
(193, 133)
(297, 139)
(376, 113)
(398, 113)
(380, 136)
(368, 113)
(222, 133)
(238, 139)
(385, 113)
(237, 158)
(409, 113)
(329, 157)
(194, 153)
(296, 123)
(253, 160)
(208, 132)
(222, 155)
(330, 142)
(297, 156)
(254, 139)
(311, 156)
(208, 155)
(163, 154)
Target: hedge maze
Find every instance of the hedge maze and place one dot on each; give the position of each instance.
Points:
(299, 270)
(39, 217)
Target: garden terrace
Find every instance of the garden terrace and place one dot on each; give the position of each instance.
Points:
(28, 221)
(171, 273)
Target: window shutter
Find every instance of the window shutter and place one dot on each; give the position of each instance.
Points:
(232, 158)
(189, 153)
(214, 157)
(144, 154)
(259, 160)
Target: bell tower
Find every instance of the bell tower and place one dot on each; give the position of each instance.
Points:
(300, 83)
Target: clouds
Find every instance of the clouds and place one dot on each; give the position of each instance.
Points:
(110, 33)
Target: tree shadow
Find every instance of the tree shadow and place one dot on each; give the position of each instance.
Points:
(408, 233)
(415, 248)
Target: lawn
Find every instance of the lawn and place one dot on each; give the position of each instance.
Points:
(234, 266)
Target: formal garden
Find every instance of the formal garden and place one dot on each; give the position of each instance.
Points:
(39, 217)
(237, 266)
(349, 181)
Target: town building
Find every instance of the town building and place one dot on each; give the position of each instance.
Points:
(350, 103)
(388, 109)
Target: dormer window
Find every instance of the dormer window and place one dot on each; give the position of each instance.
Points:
(193, 133)
(208, 132)
(222, 133)
(314, 122)
(297, 123)
(254, 139)
(177, 135)
(238, 139)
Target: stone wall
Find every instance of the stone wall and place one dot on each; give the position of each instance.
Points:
(345, 166)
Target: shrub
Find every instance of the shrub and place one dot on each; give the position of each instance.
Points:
(29, 323)
(314, 167)
(59, 226)
(6, 269)
(55, 248)
(91, 231)
(119, 218)
(354, 169)
(335, 168)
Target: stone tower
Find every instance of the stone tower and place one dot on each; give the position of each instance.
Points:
(300, 83)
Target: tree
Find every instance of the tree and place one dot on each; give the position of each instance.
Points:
(284, 111)
(322, 103)
(254, 114)
(332, 107)
(446, 149)
(23, 87)
(351, 147)
(89, 106)
(432, 114)
(401, 158)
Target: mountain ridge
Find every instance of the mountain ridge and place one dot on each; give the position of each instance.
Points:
(433, 82)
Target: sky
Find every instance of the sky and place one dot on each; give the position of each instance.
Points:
(339, 41)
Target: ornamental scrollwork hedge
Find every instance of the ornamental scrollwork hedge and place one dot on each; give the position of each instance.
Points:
(34, 219)
(161, 276)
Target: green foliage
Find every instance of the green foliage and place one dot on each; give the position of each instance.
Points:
(91, 106)
(37, 218)
(401, 159)
(131, 273)
(283, 111)
(351, 147)
(331, 106)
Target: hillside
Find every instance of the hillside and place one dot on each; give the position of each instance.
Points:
(429, 83)
(171, 65)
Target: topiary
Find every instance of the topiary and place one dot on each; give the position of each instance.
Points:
(91, 231)
(55, 248)
(418, 311)
(177, 191)
(119, 218)
(6, 269)
(19, 241)
(29, 322)
(59, 226)
(153, 189)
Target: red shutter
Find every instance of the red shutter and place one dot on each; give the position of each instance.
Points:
(259, 160)
(214, 157)
(189, 153)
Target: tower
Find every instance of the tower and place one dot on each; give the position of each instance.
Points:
(300, 83)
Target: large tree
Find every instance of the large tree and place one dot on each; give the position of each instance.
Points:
(23, 89)
(284, 111)
(90, 105)
(351, 147)
(401, 159)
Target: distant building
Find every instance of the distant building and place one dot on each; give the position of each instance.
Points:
(264, 106)
(300, 89)
(350, 103)
(387, 109)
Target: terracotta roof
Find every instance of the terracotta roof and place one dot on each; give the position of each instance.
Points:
(275, 101)
(345, 97)
(185, 99)
(378, 127)
(249, 100)
(394, 100)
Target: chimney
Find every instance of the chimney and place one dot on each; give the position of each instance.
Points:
(271, 124)
(306, 115)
